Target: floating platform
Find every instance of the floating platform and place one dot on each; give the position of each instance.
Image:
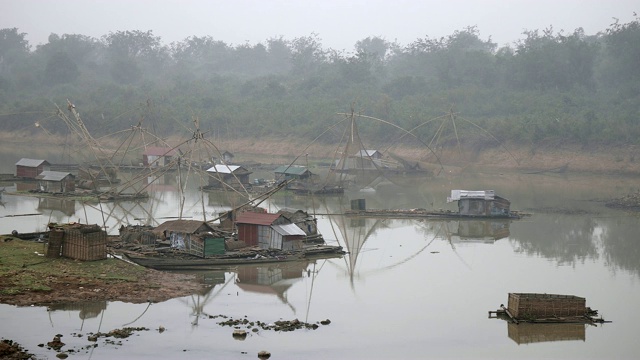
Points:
(546, 308)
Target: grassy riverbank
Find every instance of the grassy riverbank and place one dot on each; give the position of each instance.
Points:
(27, 277)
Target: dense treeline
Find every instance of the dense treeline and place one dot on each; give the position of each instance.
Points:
(547, 86)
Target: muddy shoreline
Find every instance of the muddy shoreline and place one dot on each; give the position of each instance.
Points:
(616, 159)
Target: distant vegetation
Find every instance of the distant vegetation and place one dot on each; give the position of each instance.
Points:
(548, 86)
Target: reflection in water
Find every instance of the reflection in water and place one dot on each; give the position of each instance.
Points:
(526, 333)
(275, 279)
(486, 231)
(48, 205)
(87, 310)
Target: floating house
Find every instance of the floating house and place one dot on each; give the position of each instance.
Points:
(305, 222)
(235, 176)
(292, 172)
(195, 237)
(56, 182)
(30, 168)
(362, 160)
(268, 231)
(480, 203)
(155, 156)
(227, 157)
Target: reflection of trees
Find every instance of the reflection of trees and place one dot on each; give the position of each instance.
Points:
(566, 239)
(620, 248)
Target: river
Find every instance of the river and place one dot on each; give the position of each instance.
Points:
(407, 289)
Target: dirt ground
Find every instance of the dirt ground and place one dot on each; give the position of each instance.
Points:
(28, 278)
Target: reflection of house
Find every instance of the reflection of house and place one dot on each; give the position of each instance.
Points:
(480, 203)
(268, 231)
(155, 156)
(87, 309)
(275, 280)
(526, 333)
(30, 168)
(67, 207)
(288, 172)
(160, 183)
(482, 230)
(192, 236)
(56, 182)
(232, 175)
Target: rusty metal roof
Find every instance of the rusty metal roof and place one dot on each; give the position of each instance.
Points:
(256, 218)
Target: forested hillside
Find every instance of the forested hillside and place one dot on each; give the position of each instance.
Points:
(548, 86)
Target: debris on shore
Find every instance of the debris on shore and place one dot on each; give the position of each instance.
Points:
(627, 202)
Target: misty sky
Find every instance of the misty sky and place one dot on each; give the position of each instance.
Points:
(339, 23)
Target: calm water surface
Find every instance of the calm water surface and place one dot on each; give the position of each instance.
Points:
(407, 289)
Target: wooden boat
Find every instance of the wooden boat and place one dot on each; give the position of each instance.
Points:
(173, 261)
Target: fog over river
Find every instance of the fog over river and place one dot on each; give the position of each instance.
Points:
(407, 289)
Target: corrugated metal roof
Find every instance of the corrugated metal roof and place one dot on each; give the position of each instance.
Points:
(249, 217)
(30, 162)
(224, 169)
(471, 194)
(52, 175)
(368, 153)
(159, 151)
(288, 229)
(291, 170)
(183, 226)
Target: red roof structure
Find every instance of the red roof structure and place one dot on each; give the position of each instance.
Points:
(256, 218)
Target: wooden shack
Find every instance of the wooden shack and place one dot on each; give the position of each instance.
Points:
(155, 156)
(234, 176)
(289, 172)
(538, 306)
(268, 231)
(30, 168)
(306, 222)
(480, 203)
(194, 237)
(56, 182)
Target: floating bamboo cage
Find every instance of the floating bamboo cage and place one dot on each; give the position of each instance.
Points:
(536, 306)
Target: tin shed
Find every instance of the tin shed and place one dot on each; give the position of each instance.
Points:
(231, 175)
(192, 236)
(288, 172)
(155, 156)
(56, 182)
(480, 203)
(30, 168)
(268, 231)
